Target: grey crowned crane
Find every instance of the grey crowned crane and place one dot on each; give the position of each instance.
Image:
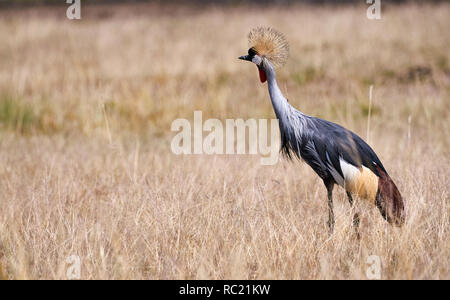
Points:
(336, 154)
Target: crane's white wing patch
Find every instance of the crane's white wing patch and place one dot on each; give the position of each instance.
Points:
(348, 170)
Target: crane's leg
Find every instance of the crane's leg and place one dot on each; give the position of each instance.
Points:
(330, 187)
(355, 216)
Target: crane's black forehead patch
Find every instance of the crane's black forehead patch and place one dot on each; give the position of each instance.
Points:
(252, 52)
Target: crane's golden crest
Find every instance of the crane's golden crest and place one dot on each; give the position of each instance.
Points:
(270, 43)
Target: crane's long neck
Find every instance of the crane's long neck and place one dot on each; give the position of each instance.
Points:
(291, 121)
(280, 105)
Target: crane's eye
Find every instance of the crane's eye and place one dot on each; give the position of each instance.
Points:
(252, 52)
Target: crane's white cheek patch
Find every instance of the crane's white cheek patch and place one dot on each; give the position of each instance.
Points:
(362, 182)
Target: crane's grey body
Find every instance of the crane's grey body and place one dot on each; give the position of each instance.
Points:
(336, 154)
(320, 143)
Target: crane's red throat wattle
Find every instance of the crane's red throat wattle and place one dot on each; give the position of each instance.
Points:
(262, 75)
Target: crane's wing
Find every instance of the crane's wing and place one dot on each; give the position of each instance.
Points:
(324, 144)
(328, 148)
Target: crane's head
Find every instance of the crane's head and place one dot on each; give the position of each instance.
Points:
(266, 44)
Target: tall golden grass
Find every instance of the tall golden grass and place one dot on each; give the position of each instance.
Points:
(86, 167)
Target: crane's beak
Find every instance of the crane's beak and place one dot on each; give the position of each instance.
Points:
(262, 74)
(245, 57)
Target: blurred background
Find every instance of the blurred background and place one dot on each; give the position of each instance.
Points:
(85, 113)
(149, 62)
(221, 2)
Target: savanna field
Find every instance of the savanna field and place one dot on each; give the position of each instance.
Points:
(86, 167)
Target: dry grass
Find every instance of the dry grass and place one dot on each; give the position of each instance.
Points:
(86, 167)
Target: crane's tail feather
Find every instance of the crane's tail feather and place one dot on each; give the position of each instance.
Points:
(389, 200)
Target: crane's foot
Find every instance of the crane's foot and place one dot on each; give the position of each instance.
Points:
(330, 224)
(356, 220)
(356, 225)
